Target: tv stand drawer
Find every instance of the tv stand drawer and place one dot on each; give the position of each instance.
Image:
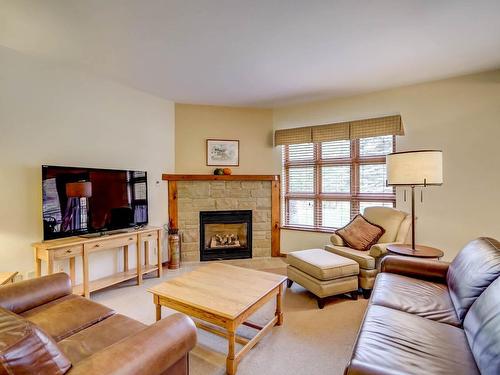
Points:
(111, 243)
(148, 236)
(68, 252)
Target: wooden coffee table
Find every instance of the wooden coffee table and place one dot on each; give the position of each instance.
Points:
(225, 296)
(420, 251)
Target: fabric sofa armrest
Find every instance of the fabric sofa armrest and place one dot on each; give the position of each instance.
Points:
(419, 268)
(380, 249)
(151, 351)
(28, 294)
(336, 240)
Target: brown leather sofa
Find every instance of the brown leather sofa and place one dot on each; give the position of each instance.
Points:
(45, 329)
(430, 317)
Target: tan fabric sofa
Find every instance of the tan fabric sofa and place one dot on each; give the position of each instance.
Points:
(397, 225)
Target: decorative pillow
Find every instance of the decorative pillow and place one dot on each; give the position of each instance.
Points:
(360, 234)
(27, 349)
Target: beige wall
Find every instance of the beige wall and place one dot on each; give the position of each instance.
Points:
(252, 126)
(461, 116)
(53, 115)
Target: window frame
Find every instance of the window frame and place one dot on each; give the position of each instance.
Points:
(355, 197)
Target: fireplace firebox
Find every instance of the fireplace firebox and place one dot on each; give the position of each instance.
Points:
(225, 235)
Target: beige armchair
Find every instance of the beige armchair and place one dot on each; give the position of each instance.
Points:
(396, 224)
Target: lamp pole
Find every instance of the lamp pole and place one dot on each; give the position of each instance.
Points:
(413, 217)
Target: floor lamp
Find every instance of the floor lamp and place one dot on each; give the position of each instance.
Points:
(414, 168)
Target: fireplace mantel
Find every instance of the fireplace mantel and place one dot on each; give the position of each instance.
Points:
(211, 177)
(275, 198)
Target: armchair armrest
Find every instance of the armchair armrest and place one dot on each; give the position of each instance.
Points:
(336, 240)
(380, 249)
(419, 268)
(151, 351)
(25, 295)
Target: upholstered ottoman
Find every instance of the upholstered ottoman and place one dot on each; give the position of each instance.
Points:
(323, 273)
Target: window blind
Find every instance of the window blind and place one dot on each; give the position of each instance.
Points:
(367, 128)
(325, 184)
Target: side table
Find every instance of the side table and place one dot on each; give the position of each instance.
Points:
(420, 251)
(6, 277)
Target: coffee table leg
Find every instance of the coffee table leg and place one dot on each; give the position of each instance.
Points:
(156, 301)
(231, 364)
(279, 300)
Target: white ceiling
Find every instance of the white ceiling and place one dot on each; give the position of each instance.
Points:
(261, 52)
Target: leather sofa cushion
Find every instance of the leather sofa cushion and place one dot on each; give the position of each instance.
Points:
(28, 294)
(472, 271)
(360, 234)
(361, 257)
(395, 342)
(482, 327)
(68, 315)
(27, 349)
(322, 265)
(99, 336)
(419, 297)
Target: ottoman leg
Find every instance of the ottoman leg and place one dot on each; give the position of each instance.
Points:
(289, 283)
(321, 302)
(354, 295)
(367, 293)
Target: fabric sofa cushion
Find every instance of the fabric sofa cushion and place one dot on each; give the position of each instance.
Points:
(27, 349)
(388, 218)
(68, 315)
(360, 234)
(99, 336)
(482, 327)
(322, 264)
(480, 261)
(363, 258)
(392, 341)
(419, 297)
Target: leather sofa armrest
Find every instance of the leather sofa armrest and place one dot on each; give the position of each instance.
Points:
(336, 240)
(28, 294)
(419, 268)
(151, 351)
(380, 249)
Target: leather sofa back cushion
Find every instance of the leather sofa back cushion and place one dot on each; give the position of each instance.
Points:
(27, 349)
(471, 272)
(482, 328)
(360, 234)
(28, 294)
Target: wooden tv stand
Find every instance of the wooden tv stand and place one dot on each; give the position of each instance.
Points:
(71, 247)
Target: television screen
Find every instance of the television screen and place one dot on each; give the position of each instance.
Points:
(86, 200)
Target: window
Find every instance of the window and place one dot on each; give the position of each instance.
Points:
(326, 184)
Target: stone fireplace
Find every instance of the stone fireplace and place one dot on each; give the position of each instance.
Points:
(226, 217)
(225, 234)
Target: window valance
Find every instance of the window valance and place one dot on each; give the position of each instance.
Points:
(374, 127)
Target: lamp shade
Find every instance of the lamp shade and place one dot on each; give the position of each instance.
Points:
(81, 189)
(422, 167)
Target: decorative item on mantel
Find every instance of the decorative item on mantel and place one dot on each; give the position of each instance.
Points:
(173, 246)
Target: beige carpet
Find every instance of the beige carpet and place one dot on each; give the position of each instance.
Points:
(311, 341)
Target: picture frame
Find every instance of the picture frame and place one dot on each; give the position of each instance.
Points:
(223, 152)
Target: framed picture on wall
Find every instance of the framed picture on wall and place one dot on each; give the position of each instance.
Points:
(223, 152)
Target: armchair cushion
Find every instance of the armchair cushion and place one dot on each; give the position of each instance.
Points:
(364, 259)
(388, 218)
(360, 234)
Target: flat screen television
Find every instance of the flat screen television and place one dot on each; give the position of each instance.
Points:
(83, 201)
